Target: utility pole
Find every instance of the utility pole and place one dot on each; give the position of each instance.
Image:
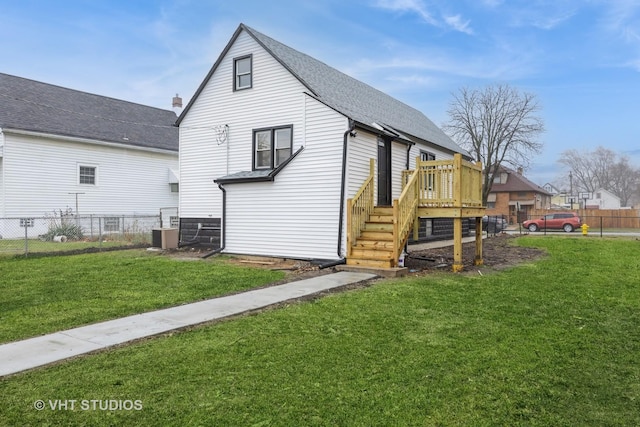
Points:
(77, 214)
(571, 188)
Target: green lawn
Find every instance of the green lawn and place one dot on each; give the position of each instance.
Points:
(552, 343)
(16, 247)
(47, 294)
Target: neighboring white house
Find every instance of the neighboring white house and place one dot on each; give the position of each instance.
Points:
(603, 199)
(61, 149)
(274, 142)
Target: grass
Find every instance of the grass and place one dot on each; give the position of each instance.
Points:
(47, 294)
(16, 247)
(548, 343)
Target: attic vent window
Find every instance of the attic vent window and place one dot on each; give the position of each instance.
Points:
(242, 71)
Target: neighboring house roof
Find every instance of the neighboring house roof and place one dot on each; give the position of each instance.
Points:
(352, 98)
(28, 105)
(551, 188)
(517, 182)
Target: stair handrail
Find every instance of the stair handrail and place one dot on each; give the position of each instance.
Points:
(359, 208)
(404, 213)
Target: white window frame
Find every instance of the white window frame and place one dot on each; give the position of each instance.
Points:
(111, 224)
(95, 174)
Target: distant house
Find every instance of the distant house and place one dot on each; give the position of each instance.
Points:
(551, 189)
(273, 145)
(602, 199)
(514, 196)
(62, 148)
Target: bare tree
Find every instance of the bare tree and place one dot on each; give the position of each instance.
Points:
(602, 168)
(497, 125)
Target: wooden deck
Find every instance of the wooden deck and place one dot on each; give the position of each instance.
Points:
(435, 189)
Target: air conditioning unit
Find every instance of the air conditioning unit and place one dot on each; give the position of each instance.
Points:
(165, 238)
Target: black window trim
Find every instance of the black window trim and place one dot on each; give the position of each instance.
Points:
(428, 154)
(423, 153)
(269, 177)
(235, 72)
(273, 147)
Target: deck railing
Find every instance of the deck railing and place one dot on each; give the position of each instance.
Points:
(404, 212)
(359, 208)
(453, 183)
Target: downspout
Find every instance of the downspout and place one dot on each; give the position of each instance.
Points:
(223, 225)
(345, 138)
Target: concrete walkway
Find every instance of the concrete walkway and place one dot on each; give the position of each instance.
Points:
(28, 354)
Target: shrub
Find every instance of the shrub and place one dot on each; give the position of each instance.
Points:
(60, 224)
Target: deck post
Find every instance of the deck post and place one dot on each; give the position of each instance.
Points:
(396, 233)
(416, 221)
(478, 260)
(457, 221)
(350, 239)
(457, 245)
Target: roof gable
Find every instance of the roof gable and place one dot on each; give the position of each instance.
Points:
(351, 97)
(33, 106)
(517, 182)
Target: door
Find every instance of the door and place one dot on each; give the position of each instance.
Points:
(384, 171)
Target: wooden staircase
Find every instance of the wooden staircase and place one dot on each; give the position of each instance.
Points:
(374, 247)
(434, 189)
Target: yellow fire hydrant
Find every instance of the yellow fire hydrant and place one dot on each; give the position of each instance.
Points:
(584, 227)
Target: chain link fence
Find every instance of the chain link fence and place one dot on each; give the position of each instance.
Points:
(64, 232)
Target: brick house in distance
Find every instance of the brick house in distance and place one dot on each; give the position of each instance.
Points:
(510, 191)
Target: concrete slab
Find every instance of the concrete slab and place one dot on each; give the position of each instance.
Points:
(31, 353)
(384, 272)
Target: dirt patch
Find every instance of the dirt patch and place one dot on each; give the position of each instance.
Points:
(498, 252)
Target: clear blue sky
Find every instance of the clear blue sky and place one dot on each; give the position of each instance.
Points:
(581, 58)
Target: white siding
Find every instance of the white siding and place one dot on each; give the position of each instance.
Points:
(2, 137)
(297, 214)
(360, 149)
(398, 164)
(1, 188)
(415, 152)
(275, 99)
(41, 175)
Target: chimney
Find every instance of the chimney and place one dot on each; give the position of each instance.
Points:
(177, 104)
(519, 168)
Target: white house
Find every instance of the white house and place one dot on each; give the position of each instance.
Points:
(65, 149)
(603, 199)
(274, 142)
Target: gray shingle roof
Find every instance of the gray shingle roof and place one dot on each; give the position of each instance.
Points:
(40, 107)
(351, 97)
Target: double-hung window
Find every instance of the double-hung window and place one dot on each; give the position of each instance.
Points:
(243, 73)
(87, 175)
(271, 146)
